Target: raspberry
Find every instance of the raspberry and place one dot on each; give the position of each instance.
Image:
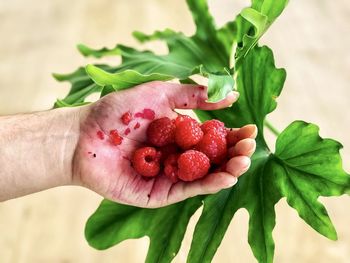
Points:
(192, 165)
(214, 125)
(126, 118)
(214, 146)
(161, 132)
(146, 161)
(182, 118)
(171, 168)
(188, 133)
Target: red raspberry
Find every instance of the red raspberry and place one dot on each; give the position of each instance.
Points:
(146, 161)
(214, 125)
(161, 132)
(171, 168)
(192, 165)
(182, 118)
(214, 146)
(188, 133)
(126, 118)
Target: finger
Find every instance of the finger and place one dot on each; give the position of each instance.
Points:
(244, 147)
(238, 165)
(231, 97)
(210, 184)
(189, 96)
(236, 134)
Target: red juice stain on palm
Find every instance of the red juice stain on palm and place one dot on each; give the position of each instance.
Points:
(139, 114)
(126, 118)
(148, 114)
(127, 131)
(193, 96)
(137, 125)
(116, 139)
(100, 135)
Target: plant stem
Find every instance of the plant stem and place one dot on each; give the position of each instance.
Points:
(271, 128)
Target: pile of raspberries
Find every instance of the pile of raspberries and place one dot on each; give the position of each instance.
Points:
(182, 149)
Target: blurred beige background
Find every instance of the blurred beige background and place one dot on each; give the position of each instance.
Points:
(311, 39)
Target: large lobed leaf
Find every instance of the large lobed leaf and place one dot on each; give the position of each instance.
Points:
(303, 166)
(113, 223)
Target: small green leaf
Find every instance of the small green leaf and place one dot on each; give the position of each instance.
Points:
(219, 86)
(122, 80)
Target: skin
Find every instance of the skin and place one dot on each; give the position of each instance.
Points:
(61, 147)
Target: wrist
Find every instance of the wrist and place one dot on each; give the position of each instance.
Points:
(63, 136)
(37, 150)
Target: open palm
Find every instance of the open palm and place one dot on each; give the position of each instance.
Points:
(104, 166)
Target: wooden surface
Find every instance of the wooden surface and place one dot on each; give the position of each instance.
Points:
(311, 40)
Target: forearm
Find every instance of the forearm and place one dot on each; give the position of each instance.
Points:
(36, 151)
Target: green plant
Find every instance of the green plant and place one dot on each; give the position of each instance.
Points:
(303, 166)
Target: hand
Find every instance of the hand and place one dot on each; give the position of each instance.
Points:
(104, 167)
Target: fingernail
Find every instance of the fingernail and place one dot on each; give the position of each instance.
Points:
(232, 181)
(235, 94)
(254, 130)
(246, 164)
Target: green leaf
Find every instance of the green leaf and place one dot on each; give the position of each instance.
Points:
(113, 223)
(271, 177)
(122, 80)
(219, 86)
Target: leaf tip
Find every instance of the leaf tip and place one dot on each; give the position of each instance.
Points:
(138, 36)
(56, 76)
(83, 49)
